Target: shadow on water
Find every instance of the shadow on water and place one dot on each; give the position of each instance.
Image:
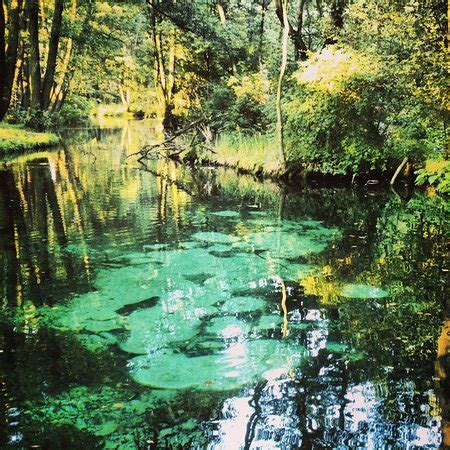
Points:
(346, 285)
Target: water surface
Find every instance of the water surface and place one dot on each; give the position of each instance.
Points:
(163, 306)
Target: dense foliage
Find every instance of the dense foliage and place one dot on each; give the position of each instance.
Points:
(377, 95)
(364, 86)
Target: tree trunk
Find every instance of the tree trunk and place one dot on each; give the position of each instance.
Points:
(59, 103)
(337, 13)
(3, 69)
(300, 49)
(62, 80)
(25, 87)
(59, 83)
(171, 65)
(221, 11)
(223, 21)
(169, 119)
(8, 54)
(50, 70)
(284, 48)
(34, 58)
(399, 169)
(163, 68)
(295, 34)
(337, 17)
(123, 97)
(261, 32)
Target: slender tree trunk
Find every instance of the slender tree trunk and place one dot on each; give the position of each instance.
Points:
(59, 84)
(3, 77)
(171, 65)
(295, 34)
(337, 13)
(160, 78)
(284, 48)
(158, 63)
(337, 17)
(223, 21)
(163, 67)
(50, 70)
(18, 83)
(169, 119)
(261, 32)
(34, 60)
(298, 50)
(221, 11)
(26, 94)
(8, 53)
(62, 98)
(123, 96)
(399, 169)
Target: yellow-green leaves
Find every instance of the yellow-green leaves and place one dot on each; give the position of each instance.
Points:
(330, 69)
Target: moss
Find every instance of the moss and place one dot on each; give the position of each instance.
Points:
(16, 139)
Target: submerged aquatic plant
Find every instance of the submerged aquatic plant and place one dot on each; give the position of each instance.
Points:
(197, 316)
(107, 413)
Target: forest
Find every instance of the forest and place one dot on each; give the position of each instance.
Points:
(278, 88)
(224, 224)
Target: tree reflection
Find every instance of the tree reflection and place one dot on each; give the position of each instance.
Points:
(367, 378)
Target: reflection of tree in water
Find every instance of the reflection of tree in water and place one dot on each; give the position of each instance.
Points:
(34, 227)
(389, 393)
(328, 404)
(51, 212)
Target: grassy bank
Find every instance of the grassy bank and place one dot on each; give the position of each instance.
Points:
(254, 154)
(257, 155)
(16, 139)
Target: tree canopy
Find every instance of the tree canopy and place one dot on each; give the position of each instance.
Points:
(364, 82)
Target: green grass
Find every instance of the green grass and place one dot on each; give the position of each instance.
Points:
(17, 139)
(254, 154)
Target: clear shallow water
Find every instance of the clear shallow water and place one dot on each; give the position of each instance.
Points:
(170, 307)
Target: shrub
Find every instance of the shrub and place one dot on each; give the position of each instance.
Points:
(435, 172)
(351, 111)
(335, 113)
(243, 102)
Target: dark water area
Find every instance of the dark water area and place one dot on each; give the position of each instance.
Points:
(169, 307)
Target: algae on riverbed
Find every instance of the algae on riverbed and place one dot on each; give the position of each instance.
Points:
(165, 299)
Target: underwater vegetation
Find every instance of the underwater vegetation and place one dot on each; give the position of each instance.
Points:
(171, 315)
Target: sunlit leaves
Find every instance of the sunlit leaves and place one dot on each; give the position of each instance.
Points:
(330, 70)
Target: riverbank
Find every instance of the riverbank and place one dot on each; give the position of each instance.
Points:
(256, 155)
(18, 139)
(259, 155)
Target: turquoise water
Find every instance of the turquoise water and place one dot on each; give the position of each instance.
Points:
(169, 307)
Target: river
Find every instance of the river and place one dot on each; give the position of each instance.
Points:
(170, 307)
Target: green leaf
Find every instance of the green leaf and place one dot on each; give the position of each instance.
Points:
(106, 428)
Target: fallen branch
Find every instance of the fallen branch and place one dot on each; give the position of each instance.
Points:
(168, 143)
(399, 169)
